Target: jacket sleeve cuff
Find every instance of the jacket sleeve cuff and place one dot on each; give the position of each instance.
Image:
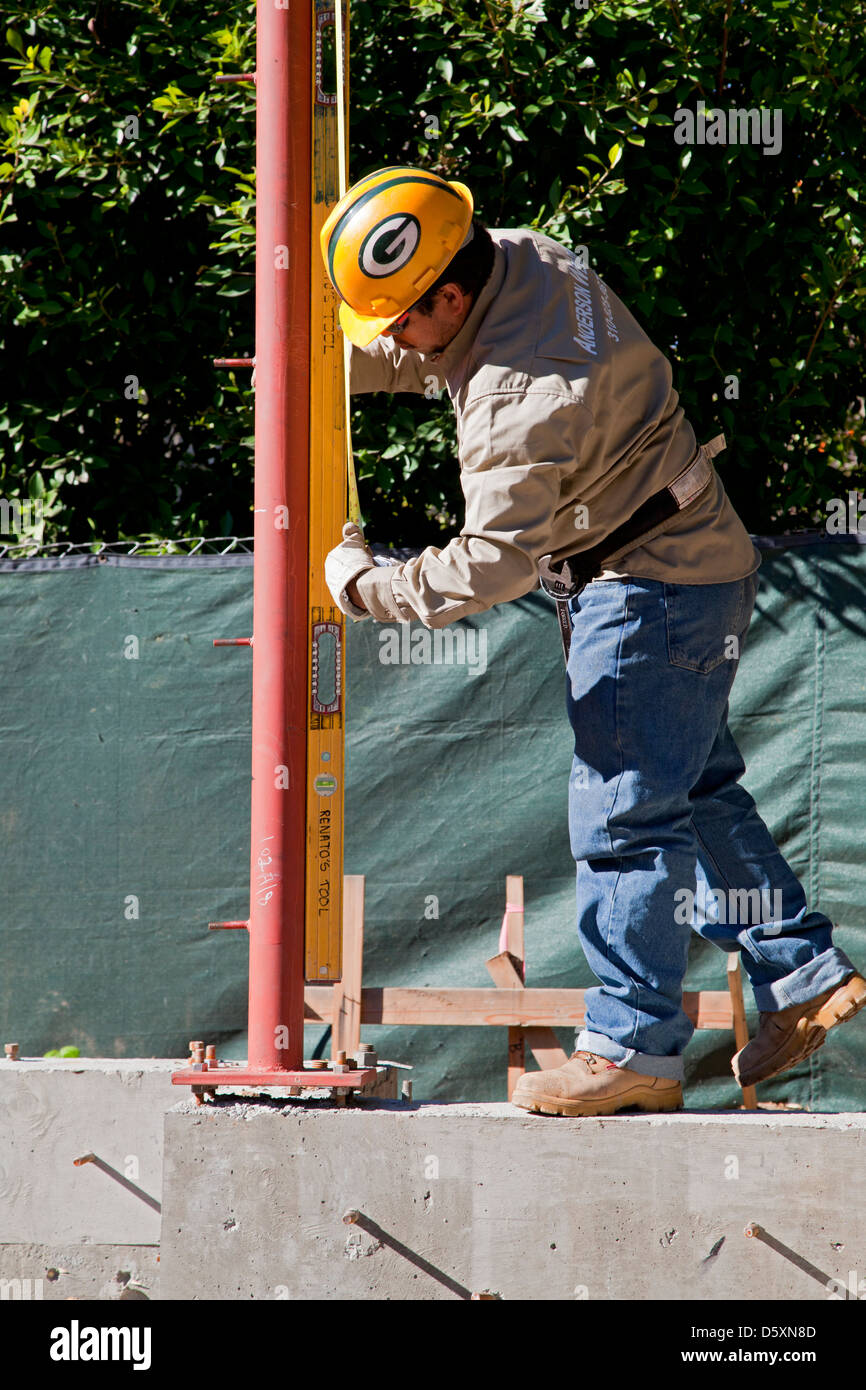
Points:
(350, 608)
(377, 595)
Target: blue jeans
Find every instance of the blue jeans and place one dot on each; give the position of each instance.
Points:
(665, 839)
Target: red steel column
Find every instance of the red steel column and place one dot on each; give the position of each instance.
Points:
(284, 45)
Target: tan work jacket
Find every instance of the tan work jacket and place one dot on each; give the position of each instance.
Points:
(566, 422)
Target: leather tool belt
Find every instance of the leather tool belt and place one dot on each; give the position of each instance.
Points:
(565, 578)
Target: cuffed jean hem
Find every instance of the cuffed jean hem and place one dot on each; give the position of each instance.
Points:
(627, 1058)
(816, 976)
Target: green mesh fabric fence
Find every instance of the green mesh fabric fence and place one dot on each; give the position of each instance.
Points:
(124, 806)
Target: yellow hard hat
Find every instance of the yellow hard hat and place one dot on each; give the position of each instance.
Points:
(386, 242)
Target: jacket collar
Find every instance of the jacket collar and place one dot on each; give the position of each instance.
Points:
(453, 361)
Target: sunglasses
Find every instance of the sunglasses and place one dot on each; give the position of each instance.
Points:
(399, 324)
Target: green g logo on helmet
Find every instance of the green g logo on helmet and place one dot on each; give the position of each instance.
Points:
(390, 245)
(387, 240)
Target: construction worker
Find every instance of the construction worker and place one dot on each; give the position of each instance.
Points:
(581, 472)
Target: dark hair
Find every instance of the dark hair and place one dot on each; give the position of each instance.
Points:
(470, 268)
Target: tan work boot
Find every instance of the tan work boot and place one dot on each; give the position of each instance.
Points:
(591, 1085)
(788, 1035)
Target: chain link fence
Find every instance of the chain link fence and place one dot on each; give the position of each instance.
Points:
(148, 548)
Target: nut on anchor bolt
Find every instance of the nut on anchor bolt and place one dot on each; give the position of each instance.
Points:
(198, 1062)
(753, 1230)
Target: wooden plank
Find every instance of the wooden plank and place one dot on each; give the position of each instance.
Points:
(542, 1042)
(504, 971)
(544, 1046)
(473, 1007)
(347, 1014)
(397, 1005)
(513, 921)
(741, 1028)
(336, 1012)
(512, 947)
(709, 1008)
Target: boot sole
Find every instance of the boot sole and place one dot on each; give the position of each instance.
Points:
(812, 1036)
(648, 1101)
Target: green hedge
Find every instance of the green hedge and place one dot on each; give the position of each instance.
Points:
(127, 236)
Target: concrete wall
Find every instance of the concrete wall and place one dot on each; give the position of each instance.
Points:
(490, 1198)
(90, 1231)
(454, 1199)
(81, 1231)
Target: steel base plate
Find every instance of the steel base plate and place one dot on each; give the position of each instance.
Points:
(307, 1077)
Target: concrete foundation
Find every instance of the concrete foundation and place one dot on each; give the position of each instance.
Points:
(460, 1199)
(90, 1231)
(52, 1113)
(448, 1200)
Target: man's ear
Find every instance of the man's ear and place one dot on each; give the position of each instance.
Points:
(457, 299)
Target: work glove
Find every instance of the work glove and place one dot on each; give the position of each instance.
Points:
(343, 564)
